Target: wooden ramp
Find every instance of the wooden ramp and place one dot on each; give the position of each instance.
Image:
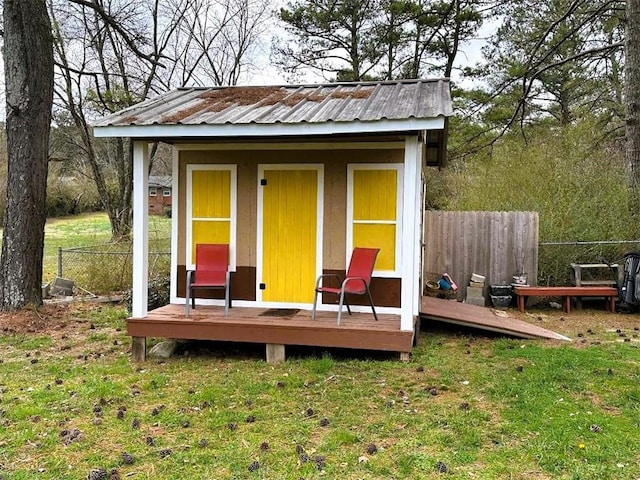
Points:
(450, 311)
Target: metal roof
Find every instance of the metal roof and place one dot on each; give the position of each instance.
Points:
(163, 181)
(373, 106)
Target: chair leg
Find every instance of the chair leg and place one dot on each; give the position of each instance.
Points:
(340, 306)
(186, 305)
(315, 304)
(226, 300)
(227, 294)
(346, 302)
(371, 302)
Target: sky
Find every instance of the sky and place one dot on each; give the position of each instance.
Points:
(265, 73)
(470, 54)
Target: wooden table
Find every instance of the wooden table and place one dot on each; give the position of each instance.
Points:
(599, 269)
(609, 293)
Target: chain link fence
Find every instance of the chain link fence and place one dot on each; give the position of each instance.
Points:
(554, 259)
(108, 267)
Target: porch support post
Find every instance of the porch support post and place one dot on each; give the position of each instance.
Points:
(410, 232)
(139, 294)
(275, 353)
(138, 349)
(175, 215)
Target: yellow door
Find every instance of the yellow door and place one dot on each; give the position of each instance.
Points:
(289, 230)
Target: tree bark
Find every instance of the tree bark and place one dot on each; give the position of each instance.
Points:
(28, 70)
(632, 99)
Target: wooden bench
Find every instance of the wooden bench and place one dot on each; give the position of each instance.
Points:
(609, 293)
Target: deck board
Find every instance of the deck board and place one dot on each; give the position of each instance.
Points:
(484, 318)
(358, 331)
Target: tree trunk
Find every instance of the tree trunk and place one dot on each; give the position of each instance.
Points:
(632, 100)
(28, 69)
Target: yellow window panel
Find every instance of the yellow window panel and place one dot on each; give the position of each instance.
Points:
(375, 194)
(211, 194)
(209, 232)
(377, 236)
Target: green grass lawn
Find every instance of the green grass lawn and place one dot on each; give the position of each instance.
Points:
(88, 230)
(476, 406)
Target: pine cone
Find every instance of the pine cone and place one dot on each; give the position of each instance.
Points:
(97, 474)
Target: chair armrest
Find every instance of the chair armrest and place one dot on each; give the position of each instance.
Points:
(326, 275)
(346, 280)
(190, 276)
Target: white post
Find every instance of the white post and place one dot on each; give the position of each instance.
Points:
(175, 214)
(410, 232)
(140, 229)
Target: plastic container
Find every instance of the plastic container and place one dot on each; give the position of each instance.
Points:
(432, 286)
(477, 278)
(501, 301)
(520, 279)
(450, 281)
(443, 284)
(501, 290)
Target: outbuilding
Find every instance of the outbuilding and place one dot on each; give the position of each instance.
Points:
(292, 178)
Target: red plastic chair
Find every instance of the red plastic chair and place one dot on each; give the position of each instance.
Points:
(356, 282)
(212, 272)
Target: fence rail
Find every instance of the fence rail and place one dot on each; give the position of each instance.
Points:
(497, 245)
(109, 267)
(555, 257)
(458, 244)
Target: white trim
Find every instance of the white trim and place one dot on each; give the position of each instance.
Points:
(375, 222)
(209, 219)
(410, 234)
(418, 230)
(140, 281)
(175, 216)
(302, 306)
(233, 170)
(270, 129)
(319, 168)
(399, 168)
(333, 145)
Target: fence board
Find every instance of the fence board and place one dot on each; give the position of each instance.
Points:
(497, 245)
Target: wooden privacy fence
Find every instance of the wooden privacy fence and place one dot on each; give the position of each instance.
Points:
(497, 245)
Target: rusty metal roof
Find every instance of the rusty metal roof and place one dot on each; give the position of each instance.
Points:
(335, 104)
(163, 181)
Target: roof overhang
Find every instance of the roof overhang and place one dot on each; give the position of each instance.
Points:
(273, 129)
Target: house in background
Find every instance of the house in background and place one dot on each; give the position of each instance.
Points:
(160, 198)
(292, 178)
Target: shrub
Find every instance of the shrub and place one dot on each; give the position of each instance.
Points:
(70, 196)
(158, 291)
(579, 189)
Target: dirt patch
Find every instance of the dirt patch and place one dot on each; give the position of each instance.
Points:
(586, 326)
(68, 325)
(43, 320)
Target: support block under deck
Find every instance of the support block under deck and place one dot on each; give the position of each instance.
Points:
(275, 353)
(139, 349)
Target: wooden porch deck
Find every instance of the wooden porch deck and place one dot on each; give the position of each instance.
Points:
(255, 325)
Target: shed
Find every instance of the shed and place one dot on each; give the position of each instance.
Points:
(292, 178)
